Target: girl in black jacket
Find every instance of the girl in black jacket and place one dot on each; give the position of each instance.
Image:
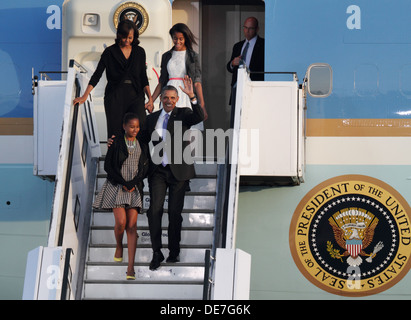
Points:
(126, 165)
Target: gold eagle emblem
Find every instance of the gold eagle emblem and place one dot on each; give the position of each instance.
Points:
(354, 231)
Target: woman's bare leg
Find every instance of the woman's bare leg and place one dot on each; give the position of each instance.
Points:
(119, 227)
(131, 230)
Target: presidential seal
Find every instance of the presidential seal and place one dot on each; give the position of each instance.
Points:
(351, 236)
(133, 12)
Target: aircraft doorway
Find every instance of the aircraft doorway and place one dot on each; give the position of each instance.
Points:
(218, 26)
(221, 24)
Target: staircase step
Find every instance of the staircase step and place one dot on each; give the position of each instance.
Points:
(196, 236)
(201, 168)
(191, 201)
(106, 218)
(175, 272)
(144, 254)
(200, 184)
(142, 290)
(106, 279)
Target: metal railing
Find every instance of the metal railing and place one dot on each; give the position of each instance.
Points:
(220, 224)
(78, 153)
(75, 180)
(225, 180)
(69, 166)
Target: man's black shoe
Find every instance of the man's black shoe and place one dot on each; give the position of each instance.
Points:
(173, 259)
(156, 261)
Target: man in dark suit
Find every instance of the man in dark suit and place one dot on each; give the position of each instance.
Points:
(171, 167)
(249, 52)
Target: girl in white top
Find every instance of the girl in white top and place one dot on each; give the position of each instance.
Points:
(180, 61)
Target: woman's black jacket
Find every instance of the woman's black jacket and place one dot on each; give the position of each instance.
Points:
(117, 153)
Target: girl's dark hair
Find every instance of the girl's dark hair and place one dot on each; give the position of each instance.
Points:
(123, 30)
(189, 37)
(130, 116)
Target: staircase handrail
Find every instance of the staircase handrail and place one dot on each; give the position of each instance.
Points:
(78, 128)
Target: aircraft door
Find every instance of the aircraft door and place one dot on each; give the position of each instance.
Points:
(89, 27)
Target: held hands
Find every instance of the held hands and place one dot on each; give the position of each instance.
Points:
(149, 106)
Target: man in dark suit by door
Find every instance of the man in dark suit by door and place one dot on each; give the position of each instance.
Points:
(171, 167)
(250, 52)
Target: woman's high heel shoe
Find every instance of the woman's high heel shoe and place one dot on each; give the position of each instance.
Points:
(131, 277)
(118, 259)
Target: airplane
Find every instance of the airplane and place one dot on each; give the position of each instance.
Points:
(313, 201)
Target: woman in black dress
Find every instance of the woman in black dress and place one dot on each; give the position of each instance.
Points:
(127, 82)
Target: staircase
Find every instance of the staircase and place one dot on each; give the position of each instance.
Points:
(106, 279)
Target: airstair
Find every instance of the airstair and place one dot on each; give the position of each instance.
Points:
(106, 279)
(77, 262)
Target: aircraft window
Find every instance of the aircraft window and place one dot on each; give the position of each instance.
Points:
(91, 23)
(319, 80)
